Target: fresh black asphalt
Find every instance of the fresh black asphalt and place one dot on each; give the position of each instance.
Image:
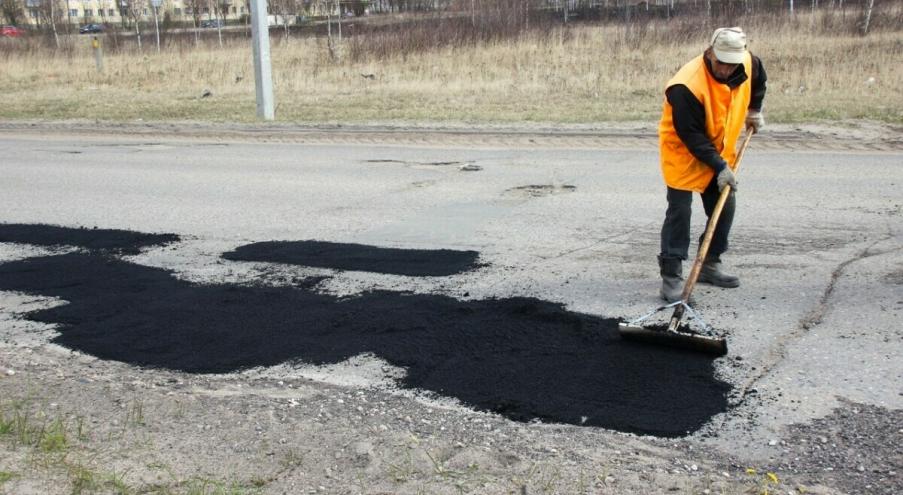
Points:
(117, 241)
(523, 358)
(344, 256)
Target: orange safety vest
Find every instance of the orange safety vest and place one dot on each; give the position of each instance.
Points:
(725, 116)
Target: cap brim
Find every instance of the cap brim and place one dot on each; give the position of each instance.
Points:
(729, 57)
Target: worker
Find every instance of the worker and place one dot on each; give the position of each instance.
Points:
(707, 103)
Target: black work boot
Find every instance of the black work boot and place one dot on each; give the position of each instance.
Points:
(672, 281)
(711, 274)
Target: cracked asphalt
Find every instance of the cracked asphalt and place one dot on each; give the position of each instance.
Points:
(814, 330)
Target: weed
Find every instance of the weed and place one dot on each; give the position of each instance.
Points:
(764, 481)
(16, 424)
(402, 471)
(521, 483)
(603, 474)
(117, 482)
(53, 438)
(80, 433)
(548, 481)
(203, 486)
(6, 476)
(259, 481)
(6, 423)
(438, 468)
(582, 484)
(291, 459)
(83, 479)
(180, 410)
(47, 437)
(134, 414)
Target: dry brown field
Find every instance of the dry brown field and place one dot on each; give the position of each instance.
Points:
(574, 74)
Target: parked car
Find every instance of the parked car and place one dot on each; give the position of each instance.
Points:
(11, 32)
(91, 28)
(212, 23)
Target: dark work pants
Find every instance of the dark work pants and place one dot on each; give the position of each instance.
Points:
(676, 229)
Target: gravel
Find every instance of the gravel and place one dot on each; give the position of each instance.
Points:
(858, 448)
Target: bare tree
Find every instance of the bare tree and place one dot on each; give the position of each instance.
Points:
(220, 11)
(195, 7)
(154, 6)
(133, 10)
(12, 10)
(102, 6)
(50, 14)
(359, 7)
(247, 6)
(327, 6)
(69, 18)
(868, 17)
(285, 8)
(338, 9)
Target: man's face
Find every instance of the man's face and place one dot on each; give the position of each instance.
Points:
(721, 70)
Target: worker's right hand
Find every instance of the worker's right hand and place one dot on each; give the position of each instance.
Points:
(754, 121)
(727, 178)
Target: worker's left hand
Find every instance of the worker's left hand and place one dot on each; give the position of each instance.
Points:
(754, 120)
(726, 178)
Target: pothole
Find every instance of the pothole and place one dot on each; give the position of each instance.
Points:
(894, 278)
(541, 190)
(386, 161)
(419, 164)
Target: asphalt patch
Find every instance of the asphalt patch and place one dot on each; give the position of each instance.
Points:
(119, 241)
(523, 358)
(359, 257)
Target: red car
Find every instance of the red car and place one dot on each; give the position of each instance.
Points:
(11, 32)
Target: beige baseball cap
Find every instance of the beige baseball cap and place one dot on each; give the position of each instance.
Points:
(729, 45)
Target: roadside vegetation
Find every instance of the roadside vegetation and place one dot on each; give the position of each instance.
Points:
(64, 453)
(499, 66)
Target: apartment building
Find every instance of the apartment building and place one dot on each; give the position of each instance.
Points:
(80, 12)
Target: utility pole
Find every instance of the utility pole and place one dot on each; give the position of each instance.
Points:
(263, 71)
(155, 4)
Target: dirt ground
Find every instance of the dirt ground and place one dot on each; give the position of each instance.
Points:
(73, 423)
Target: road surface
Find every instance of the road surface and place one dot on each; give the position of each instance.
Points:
(569, 218)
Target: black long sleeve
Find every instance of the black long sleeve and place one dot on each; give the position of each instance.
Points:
(759, 78)
(689, 122)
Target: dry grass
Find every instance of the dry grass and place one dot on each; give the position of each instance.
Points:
(575, 74)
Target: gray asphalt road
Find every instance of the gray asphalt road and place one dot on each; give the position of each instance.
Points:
(818, 239)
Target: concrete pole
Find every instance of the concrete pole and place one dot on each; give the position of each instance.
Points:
(98, 54)
(263, 72)
(156, 24)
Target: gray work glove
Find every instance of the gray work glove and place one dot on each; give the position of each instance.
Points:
(755, 120)
(727, 178)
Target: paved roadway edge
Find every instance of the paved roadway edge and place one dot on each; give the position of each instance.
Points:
(876, 139)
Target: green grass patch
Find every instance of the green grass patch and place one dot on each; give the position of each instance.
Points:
(202, 486)
(53, 437)
(6, 476)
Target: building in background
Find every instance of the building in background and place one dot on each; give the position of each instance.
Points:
(82, 12)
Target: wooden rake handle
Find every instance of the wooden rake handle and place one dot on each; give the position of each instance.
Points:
(707, 240)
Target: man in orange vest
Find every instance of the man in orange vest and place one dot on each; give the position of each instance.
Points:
(707, 104)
